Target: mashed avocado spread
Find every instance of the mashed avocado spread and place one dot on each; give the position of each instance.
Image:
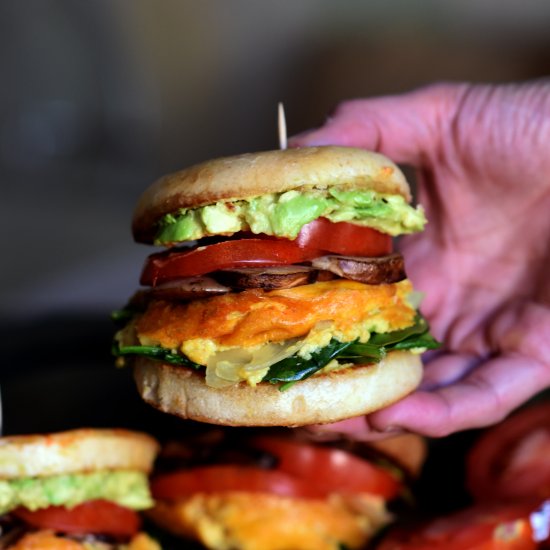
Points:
(127, 488)
(284, 214)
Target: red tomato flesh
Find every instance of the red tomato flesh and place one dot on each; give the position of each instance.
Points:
(226, 478)
(93, 517)
(512, 459)
(316, 239)
(496, 527)
(344, 238)
(225, 255)
(303, 470)
(330, 470)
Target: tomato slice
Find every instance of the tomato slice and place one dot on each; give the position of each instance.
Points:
(316, 238)
(224, 478)
(303, 470)
(512, 459)
(93, 517)
(225, 255)
(331, 470)
(344, 238)
(495, 527)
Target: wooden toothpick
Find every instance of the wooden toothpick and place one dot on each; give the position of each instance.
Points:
(282, 127)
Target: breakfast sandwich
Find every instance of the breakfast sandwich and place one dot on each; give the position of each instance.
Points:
(279, 300)
(75, 490)
(264, 491)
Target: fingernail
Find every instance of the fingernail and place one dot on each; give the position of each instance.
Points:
(391, 429)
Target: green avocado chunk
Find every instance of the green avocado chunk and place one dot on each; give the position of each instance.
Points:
(284, 214)
(127, 488)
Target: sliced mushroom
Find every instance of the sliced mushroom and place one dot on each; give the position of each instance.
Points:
(189, 288)
(372, 271)
(267, 278)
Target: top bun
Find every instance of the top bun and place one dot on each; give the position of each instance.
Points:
(254, 174)
(76, 451)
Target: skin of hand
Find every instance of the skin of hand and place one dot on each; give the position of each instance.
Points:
(482, 155)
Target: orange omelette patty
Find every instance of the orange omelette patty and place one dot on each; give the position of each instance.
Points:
(255, 316)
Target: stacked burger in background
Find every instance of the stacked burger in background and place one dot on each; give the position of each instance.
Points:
(266, 490)
(75, 490)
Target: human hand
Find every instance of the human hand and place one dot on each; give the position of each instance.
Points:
(482, 155)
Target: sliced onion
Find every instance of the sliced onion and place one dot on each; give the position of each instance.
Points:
(231, 366)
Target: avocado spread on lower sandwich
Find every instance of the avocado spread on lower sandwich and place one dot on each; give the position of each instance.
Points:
(126, 488)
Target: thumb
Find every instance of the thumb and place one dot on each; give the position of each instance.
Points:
(406, 127)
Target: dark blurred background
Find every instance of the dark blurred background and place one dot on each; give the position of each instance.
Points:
(100, 98)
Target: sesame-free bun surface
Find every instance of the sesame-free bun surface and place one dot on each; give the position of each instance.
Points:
(319, 399)
(253, 174)
(76, 451)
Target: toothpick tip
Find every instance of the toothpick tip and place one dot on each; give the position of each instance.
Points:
(283, 141)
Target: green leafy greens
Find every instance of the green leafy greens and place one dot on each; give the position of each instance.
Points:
(155, 352)
(295, 368)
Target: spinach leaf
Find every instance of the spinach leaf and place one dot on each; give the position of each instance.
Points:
(425, 340)
(296, 368)
(155, 352)
(420, 327)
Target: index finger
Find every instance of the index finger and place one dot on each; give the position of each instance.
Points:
(404, 127)
(482, 398)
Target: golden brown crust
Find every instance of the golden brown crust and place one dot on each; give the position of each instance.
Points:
(319, 399)
(76, 451)
(254, 174)
(252, 521)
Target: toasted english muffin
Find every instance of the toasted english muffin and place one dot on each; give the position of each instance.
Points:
(254, 174)
(319, 399)
(75, 451)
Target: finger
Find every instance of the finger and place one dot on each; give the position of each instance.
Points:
(357, 428)
(404, 127)
(439, 372)
(484, 397)
(446, 369)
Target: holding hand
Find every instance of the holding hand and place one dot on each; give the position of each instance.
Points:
(482, 154)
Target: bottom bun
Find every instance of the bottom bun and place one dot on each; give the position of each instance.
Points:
(320, 399)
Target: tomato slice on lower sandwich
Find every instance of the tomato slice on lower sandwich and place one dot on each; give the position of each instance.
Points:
(228, 478)
(302, 470)
(512, 459)
(331, 470)
(516, 526)
(93, 517)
